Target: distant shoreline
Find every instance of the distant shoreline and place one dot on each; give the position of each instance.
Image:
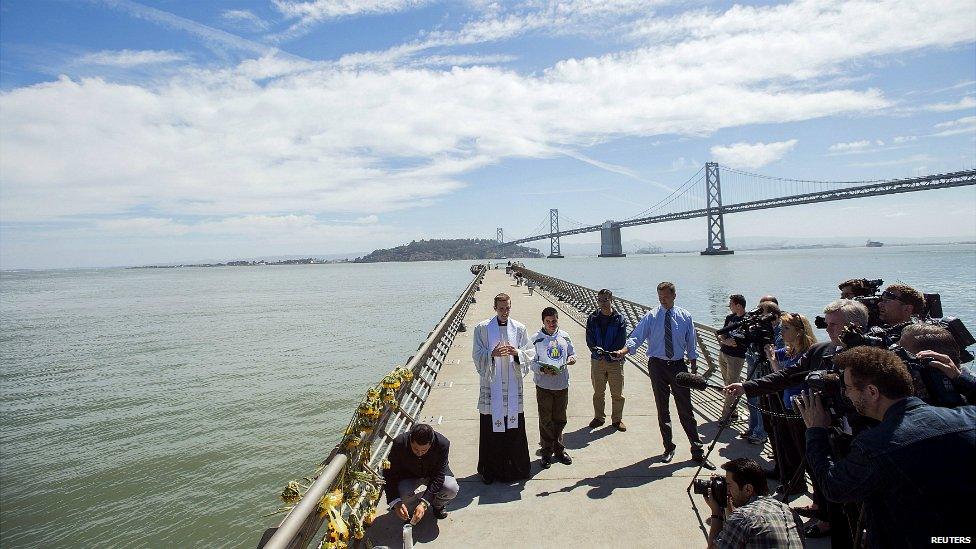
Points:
(316, 261)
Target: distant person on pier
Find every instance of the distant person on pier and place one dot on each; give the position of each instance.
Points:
(419, 456)
(553, 353)
(670, 335)
(606, 329)
(502, 356)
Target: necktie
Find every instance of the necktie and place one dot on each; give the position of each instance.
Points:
(668, 344)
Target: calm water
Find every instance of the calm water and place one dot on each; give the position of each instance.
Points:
(169, 407)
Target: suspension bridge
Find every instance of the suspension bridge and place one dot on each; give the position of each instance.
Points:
(702, 196)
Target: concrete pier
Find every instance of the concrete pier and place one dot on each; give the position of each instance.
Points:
(615, 494)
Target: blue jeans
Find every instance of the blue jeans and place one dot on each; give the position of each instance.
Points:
(756, 427)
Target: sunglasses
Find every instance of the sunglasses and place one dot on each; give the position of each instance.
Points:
(888, 294)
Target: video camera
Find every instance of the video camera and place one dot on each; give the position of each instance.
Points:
(930, 384)
(755, 329)
(853, 336)
(716, 485)
(870, 301)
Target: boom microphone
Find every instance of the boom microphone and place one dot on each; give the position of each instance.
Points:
(694, 381)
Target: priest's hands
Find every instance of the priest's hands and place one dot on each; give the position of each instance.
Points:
(504, 349)
(401, 511)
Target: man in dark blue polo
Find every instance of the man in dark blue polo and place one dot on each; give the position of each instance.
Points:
(670, 335)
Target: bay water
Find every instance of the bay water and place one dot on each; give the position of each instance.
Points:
(168, 407)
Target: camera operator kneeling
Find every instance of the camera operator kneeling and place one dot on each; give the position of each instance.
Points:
(743, 513)
(913, 472)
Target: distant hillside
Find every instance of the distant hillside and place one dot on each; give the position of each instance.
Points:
(439, 250)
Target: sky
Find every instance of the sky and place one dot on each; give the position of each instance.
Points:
(141, 132)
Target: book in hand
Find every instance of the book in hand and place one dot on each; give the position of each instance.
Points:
(553, 359)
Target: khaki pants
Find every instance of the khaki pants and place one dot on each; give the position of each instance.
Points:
(603, 373)
(731, 368)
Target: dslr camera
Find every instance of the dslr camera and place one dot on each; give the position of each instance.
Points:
(829, 384)
(716, 484)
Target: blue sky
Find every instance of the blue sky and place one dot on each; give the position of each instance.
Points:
(157, 131)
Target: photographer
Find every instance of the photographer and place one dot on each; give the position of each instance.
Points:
(732, 355)
(855, 287)
(935, 347)
(838, 314)
(897, 307)
(748, 517)
(606, 329)
(913, 472)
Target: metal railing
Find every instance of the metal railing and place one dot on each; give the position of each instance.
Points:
(303, 522)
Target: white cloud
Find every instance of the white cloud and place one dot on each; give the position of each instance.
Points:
(130, 58)
(904, 139)
(967, 102)
(244, 20)
(276, 135)
(849, 147)
(311, 12)
(964, 125)
(752, 155)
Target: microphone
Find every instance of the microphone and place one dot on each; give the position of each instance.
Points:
(694, 381)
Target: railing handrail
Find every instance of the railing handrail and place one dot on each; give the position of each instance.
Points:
(304, 515)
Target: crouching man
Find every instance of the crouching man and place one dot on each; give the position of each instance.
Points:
(418, 457)
(748, 516)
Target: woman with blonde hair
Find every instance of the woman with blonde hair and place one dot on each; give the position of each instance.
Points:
(798, 337)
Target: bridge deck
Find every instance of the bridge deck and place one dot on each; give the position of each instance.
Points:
(615, 494)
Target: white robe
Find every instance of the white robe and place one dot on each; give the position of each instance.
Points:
(501, 377)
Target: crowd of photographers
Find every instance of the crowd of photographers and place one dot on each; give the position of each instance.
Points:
(879, 418)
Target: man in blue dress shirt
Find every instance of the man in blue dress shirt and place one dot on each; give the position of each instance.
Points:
(670, 335)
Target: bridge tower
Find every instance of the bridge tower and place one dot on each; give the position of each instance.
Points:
(610, 245)
(500, 240)
(554, 234)
(713, 206)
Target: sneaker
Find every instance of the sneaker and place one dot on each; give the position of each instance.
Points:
(620, 425)
(439, 513)
(745, 434)
(564, 459)
(597, 422)
(546, 462)
(756, 440)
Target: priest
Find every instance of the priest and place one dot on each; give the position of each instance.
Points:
(502, 356)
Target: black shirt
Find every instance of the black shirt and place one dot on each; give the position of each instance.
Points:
(739, 351)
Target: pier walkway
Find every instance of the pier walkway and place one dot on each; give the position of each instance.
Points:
(615, 494)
